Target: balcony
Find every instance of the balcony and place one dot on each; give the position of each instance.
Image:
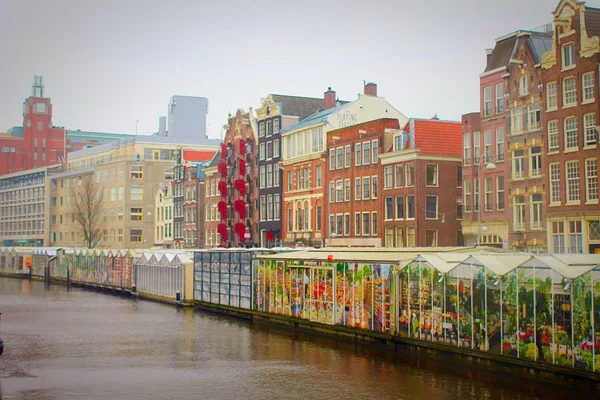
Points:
(536, 225)
(516, 175)
(535, 173)
(518, 226)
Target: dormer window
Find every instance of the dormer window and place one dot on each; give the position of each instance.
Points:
(523, 86)
(568, 55)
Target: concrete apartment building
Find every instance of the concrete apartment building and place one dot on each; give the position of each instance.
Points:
(187, 120)
(127, 173)
(304, 160)
(277, 113)
(353, 177)
(570, 113)
(420, 201)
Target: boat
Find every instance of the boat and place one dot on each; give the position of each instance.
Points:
(1, 342)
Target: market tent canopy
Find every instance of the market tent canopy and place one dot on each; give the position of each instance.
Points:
(499, 264)
(443, 262)
(571, 266)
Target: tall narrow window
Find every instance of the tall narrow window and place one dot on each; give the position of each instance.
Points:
(318, 216)
(366, 194)
(591, 180)
(340, 157)
(487, 101)
(487, 143)
(536, 211)
(523, 85)
(588, 87)
(488, 194)
(410, 175)
(535, 116)
(347, 189)
(374, 223)
(432, 175)
(388, 178)
(357, 189)
(572, 172)
(551, 97)
(516, 120)
(410, 207)
(575, 237)
(319, 176)
(431, 237)
(374, 187)
(357, 224)
(517, 164)
(366, 153)
(552, 135)
(366, 223)
(347, 156)
(568, 55)
(467, 148)
(519, 213)
(389, 208)
(331, 159)
(431, 207)
(468, 199)
(571, 137)
(499, 98)
(589, 123)
(399, 176)
(476, 190)
(558, 236)
(500, 143)
(569, 91)
(476, 147)
(555, 183)
(399, 207)
(399, 237)
(535, 162)
(358, 154)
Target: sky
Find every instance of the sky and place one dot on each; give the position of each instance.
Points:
(107, 64)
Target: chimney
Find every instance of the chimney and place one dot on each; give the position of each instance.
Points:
(370, 89)
(329, 99)
(435, 117)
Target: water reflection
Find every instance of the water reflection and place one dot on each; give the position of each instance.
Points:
(71, 344)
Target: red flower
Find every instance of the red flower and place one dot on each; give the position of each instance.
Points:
(242, 146)
(223, 188)
(242, 166)
(222, 209)
(240, 207)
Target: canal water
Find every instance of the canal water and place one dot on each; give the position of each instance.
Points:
(65, 343)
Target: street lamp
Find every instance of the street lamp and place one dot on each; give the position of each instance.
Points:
(339, 185)
(490, 166)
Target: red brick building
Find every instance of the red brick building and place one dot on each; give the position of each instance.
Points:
(38, 143)
(570, 113)
(211, 200)
(421, 184)
(353, 177)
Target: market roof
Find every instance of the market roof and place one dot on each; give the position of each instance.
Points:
(499, 264)
(571, 266)
(443, 262)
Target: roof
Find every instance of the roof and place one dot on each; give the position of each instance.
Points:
(198, 155)
(215, 160)
(592, 21)
(316, 118)
(80, 136)
(501, 54)
(571, 266)
(435, 137)
(540, 45)
(301, 107)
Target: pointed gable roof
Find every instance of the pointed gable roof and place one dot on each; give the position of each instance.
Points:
(501, 53)
(301, 107)
(436, 137)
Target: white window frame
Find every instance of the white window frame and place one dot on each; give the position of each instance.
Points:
(555, 183)
(591, 181)
(590, 132)
(551, 96)
(571, 126)
(553, 141)
(487, 101)
(569, 91)
(587, 88)
(568, 62)
(572, 182)
(533, 172)
(536, 208)
(499, 97)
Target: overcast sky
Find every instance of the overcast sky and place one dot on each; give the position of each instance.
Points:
(109, 63)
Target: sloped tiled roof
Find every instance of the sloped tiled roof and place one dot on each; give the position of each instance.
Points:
(501, 54)
(198, 155)
(215, 160)
(301, 107)
(592, 21)
(316, 118)
(438, 138)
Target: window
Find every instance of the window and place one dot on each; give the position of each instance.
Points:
(594, 229)
(535, 162)
(535, 117)
(357, 154)
(431, 207)
(591, 180)
(136, 193)
(269, 150)
(487, 145)
(347, 189)
(319, 176)
(572, 171)
(332, 191)
(476, 147)
(269, 207)
(499, 98)
(387, 178)
(357, 221)
(374, 222)
(263, 208)
(459, 211)
(375, 151)
(569, 91)
(347, 156)
(290, 181)
(290, 218)
(558, 236)
(523, 85)
(137, 172)
(299, 217)
(399, 237)
(331, 159)
(554, 183)
(500, 143)
(389, 237)
(366, 153)
(568, 55)
(551, 97)
(431, 238)
(263, 177)
(575, 237)
(519, 213)
(468, 198)
(135, 235)
(399, 207)
(487, 101)
(269, 128)
(389, 208)
(375, 187)
(410, 206)
(571, 141)
(588, 87)
(339, 191)
(476, 187)
(488, 194)
(300, 178)
(518, 164)
(410, 175)
(366, 224)
(318, 217)
(589, 123)
(340, 158)
(269, 175)
(459, 176)
(516, 120)
(399, 182)
(366, 188)
(136, 214)
(552, 135)
(467, 148)
(536, 211)
(261, 129)
(432, 175)
(410, 237)
(347, 224)
(275, 148)
(276, 174)
(357, 188)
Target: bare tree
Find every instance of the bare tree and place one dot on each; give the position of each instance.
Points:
(87, 210)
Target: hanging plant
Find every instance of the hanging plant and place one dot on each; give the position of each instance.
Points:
(242, 166)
